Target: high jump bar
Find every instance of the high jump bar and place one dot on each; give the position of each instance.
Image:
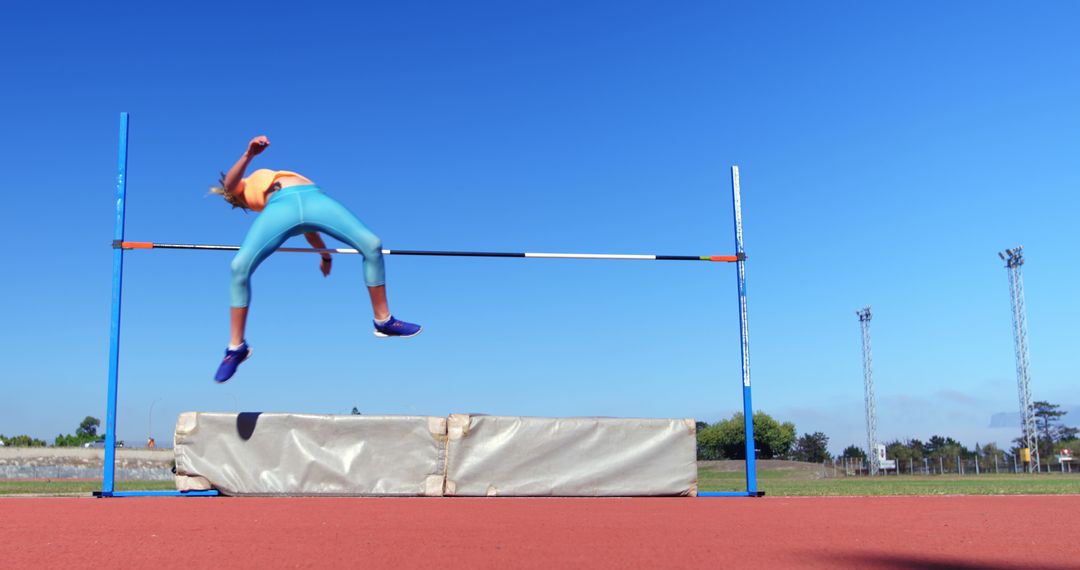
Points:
(435, 253)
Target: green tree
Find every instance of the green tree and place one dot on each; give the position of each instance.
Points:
(716, 441)
(726, 438)
(812, 447)
(853, 452)
(70, 440)
(1073, 445)
(1049, 422)
(1067, 433)
(1050, 427)
(22, 441)
(945, 451)
(906, 453)
(88, 427)
(1046, 416)
(709, 443)
(771, 437)
(85, 433)
(706, 449)
(937, 443)
(990, 453)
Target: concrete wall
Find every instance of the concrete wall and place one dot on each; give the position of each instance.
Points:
(80, 463)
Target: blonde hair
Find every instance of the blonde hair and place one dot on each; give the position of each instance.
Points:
(234, 200)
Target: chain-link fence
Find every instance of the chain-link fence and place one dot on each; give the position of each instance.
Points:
(939, 465)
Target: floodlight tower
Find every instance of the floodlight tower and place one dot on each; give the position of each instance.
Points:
(1014, 258)
(868, 389)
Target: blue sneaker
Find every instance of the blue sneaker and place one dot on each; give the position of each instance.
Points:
(232, 360)
(394, 327)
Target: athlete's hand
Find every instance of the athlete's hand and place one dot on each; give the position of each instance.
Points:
(257, 145)
(325, 265)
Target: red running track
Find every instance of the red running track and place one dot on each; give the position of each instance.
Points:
(862, 532)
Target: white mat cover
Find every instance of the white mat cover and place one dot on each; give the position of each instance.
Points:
(304, 454)
(570, 457)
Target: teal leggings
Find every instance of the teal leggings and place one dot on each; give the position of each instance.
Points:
(290, 212)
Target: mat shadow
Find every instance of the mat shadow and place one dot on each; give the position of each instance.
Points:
(906, 561)
(245, 424)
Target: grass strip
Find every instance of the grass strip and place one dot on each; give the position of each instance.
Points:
(69, 487)
(784, 485)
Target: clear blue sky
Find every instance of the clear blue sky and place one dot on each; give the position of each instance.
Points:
(887, 154)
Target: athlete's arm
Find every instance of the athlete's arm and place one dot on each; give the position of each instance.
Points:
(317, 242)
(236, 173)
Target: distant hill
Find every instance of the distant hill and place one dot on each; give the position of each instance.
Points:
(1012, 419)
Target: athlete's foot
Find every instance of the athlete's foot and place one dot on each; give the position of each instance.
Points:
(394, 327)
(232, 360)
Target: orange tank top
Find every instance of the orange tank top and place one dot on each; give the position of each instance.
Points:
(257, 184)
